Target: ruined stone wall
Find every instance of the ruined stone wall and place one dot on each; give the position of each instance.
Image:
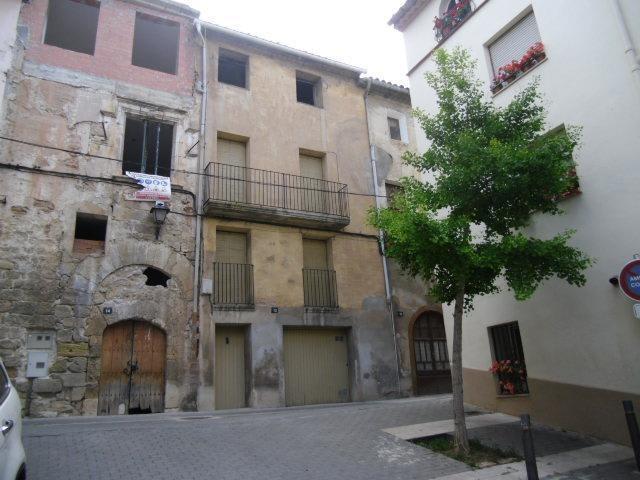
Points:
(66, 121)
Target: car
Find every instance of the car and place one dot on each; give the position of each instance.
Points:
(12, 456)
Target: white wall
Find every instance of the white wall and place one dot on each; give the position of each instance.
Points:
(583, 336)
(9, 11)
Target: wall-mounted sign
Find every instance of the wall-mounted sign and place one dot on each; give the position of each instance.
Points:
(630, 280)
(154, 188)
(107, 310)
(636, 310)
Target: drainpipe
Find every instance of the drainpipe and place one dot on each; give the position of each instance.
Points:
(200, 170)
(385, 266)
(629, 48)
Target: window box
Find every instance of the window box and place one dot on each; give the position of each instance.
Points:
(509, 73)
(457, 12)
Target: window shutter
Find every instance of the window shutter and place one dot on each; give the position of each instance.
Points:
(232, 153)
(311, 167)
(231, 247)
(314, 254)
(513, 44)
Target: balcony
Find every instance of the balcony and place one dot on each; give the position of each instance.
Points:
(274, 197)
(450, 20)
(320, 290)
(232, 285)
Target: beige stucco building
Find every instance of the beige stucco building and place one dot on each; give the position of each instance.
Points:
(258, 282)
(579, 345)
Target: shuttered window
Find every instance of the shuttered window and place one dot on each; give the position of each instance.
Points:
(232, 153)
(231, 247)
(513, 44)
(314, 254)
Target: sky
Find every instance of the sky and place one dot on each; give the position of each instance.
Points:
(350, 31)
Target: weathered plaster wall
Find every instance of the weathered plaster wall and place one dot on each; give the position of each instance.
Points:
(79, 103)
(9, 11)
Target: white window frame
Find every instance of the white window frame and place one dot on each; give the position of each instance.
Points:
(402, 120)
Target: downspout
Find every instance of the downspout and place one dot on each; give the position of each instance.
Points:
(629, 49)
(385, 266)
(201, 153)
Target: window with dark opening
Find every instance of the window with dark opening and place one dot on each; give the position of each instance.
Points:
(394, 128)
(155, 43)
(90, 233)
(308, 89)
(155, 277)
(232, 68)
(72, 25)
(147, 147)
(392, 190)
(509, 366)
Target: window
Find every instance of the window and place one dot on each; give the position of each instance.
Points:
(392, 190)
(72, 25)
(509, 365)
(514, 43)
(90, 233)
(230, 180)
(394, 128)
(313, 194)
(308, 89)
(574, 187)
(232, 68)
(147, 147)
(155, 43)
(319, 281)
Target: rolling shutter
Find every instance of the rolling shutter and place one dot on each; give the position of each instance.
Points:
(513, 44)
(314, 254)
(231, 247)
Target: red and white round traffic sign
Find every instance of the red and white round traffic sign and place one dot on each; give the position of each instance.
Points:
(629, 280)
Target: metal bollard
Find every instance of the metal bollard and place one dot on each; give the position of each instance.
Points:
(634, 433)
(527, 444)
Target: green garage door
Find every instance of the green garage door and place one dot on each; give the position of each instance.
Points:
(316, 366)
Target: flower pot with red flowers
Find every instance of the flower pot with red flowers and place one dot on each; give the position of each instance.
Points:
(511, 71)
(451, 19)
(512, 377)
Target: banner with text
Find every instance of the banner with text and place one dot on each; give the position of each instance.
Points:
(155, 188)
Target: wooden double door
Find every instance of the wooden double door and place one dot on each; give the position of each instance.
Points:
(132, 377)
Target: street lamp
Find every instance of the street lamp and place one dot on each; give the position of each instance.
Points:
(159, 211)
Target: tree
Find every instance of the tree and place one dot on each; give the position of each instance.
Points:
(490, 170)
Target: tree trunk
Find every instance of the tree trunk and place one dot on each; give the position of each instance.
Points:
(461, 438)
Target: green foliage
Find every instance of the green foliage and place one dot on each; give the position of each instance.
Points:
(491, 170)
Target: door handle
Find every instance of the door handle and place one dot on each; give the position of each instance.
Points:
(6, 428)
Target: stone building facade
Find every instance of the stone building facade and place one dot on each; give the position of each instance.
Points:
(77, 256)
(265, 286)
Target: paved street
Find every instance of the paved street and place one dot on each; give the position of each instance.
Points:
(325, 442)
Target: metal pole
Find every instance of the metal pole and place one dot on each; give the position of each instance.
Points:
(634, 433)
(527, 444)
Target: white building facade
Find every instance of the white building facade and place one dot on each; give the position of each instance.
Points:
(580, 345)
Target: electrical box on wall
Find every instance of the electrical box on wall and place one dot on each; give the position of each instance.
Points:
(40, 353)
(37, 364)
(40, 341)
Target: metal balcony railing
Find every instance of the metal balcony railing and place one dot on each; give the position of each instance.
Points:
(265, 189)
(232, 284)
(320, 290)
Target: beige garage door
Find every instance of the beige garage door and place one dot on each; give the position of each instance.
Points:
(229, 368)
(315, 366)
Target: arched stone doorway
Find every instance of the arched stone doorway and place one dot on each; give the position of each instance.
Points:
(429, 354)
(132, 376)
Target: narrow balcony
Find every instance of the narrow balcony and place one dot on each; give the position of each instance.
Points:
(320, 290)
(232, 285)
(274, 197)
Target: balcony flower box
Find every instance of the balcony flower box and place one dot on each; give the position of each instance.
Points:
(512, 377)
(451, 19)
(514, 70)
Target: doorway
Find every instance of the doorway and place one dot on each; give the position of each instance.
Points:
(132, 378)
(432, 370)
(230, 384)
